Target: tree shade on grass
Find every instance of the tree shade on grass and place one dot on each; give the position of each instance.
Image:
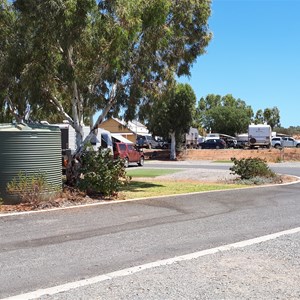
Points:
(141, 189)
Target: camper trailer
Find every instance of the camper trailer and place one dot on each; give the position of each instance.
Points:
(259, 135)
(68, 137)
(102, 139)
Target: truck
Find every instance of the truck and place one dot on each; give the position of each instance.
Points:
(290, 142)
(285, 141)
(259, 135)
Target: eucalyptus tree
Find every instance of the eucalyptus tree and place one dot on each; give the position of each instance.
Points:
(224, 114)
(259, 118)
(71, 58)
(173, 113)
(272, 116)
(6, 32)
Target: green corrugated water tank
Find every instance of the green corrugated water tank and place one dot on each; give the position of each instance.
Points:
(30, 149)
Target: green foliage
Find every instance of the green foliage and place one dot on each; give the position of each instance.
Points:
(270, 116)
(248, 168)
(292, 130)
(172, 113)
(31, 188)
(73, 58)
(101, 174)
(224, 114)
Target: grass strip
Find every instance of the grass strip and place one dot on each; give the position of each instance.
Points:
(141, 189)
(143, 172)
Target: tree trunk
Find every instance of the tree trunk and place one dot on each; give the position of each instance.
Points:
(173, 146)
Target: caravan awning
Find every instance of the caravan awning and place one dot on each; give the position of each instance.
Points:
(121, 138)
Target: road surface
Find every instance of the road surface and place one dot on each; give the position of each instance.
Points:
(45, 250)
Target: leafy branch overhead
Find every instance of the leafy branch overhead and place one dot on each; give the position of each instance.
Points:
(72, 58)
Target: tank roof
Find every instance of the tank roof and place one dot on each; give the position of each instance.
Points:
(20, 127)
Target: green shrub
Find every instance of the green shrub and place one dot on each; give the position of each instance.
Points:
(248, 168)
(101, 174)
(31, 188)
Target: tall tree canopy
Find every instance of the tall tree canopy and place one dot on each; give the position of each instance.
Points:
(76, 57)
(224, 114)
(270, 116)
(6, 32)
(173, 113)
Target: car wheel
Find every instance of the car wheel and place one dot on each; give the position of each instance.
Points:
(298, 146)
(217, 147)
(277, 146)
(126, 162)
(141, 161)
(199, 147)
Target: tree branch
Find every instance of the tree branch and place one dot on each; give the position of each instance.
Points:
(111, 102)
(60, 109)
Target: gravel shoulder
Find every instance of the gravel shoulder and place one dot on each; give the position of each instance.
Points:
(207, 174)
(204, 175)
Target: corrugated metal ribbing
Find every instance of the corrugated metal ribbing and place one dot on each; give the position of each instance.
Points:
(31, 150)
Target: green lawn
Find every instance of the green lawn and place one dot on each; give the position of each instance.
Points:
(152, 186)
(140, 189)
(143, 172)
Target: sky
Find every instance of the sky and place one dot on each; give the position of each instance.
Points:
(254, 55)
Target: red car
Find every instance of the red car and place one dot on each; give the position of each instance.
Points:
(129, 153)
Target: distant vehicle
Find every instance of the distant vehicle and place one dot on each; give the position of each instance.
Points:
(212, 136)
(277, 142)
(290, 142)
(259, 135)
(147, 141)
(129, 153)
(191, 138)
(242, 140)
(164, 144)
(230, 141)
(212, 144)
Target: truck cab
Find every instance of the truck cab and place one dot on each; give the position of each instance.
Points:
(290, 142)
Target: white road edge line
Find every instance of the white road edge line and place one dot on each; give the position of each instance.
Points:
(125, 272)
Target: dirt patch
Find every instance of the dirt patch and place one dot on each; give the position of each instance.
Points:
(66, 199)
(270, 155)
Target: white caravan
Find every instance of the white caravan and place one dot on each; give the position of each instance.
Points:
(259, 135)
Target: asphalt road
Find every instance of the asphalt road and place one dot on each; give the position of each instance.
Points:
(46, 249)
